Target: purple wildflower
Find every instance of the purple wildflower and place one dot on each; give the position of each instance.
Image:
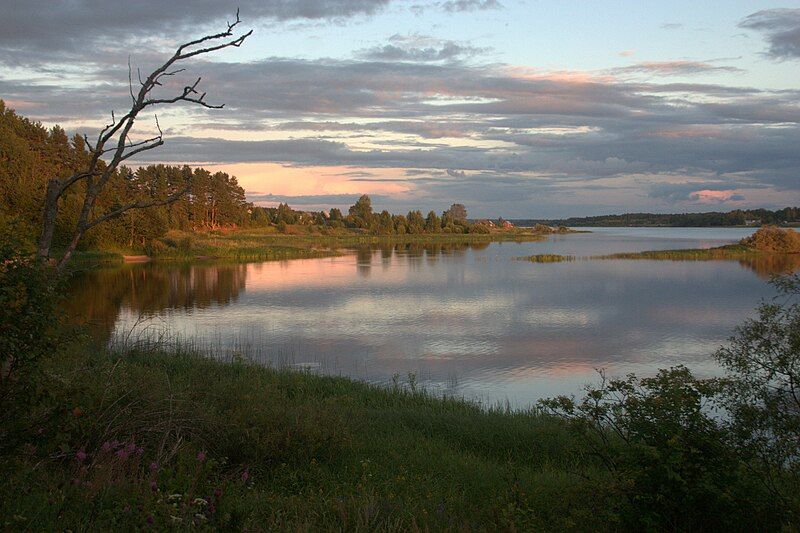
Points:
(201, 456)
(106, 446)
(153, 467)
(154, 486)
(123, 454)
(245, 476)
(150, 519)
(80, 456)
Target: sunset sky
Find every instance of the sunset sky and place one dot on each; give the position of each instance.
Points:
(515, 108)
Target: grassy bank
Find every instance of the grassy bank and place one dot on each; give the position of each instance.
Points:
(728, 252)
(298, 242)
(149, 438)
(547, 258)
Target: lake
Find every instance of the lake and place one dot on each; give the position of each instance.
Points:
(463, 320)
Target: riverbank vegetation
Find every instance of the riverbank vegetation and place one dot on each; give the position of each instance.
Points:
(548, 258)
(134, 437)
(213, 219)
(769, 251)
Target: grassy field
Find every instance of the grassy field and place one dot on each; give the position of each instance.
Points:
(146, 438)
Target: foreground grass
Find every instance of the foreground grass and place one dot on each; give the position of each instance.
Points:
(178, 441)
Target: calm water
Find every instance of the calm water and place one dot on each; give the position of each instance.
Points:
(467, 321)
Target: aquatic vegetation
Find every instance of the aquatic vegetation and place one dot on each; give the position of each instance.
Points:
(548, 258)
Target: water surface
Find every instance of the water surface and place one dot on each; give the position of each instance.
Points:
(465, 320)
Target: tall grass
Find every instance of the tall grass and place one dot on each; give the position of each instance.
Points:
(141, 437)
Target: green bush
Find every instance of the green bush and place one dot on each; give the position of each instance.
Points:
(28, 311)
(671, 461)
(761, 391)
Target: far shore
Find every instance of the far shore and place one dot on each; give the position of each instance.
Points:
(298, 242)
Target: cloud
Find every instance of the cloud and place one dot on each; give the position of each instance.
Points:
(671, 26)
(781, 28)
(306, 200)
(417, 114)
(675, 68)
(64, 26)
(700, 192)
(419, 48)
(470, 5)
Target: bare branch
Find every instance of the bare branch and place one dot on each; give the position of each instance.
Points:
(130, 81)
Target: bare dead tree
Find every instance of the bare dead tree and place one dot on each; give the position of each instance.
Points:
(113, 143)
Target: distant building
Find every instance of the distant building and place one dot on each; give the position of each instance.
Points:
(507, 224)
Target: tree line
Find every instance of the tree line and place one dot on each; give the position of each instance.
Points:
(31, 153)
(737, 217)
(361, 217)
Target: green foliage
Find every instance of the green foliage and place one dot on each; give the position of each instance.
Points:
(761, 392)
(691, 454)
(548, 258)
(672, 466)
(28, 312)
(360, 213)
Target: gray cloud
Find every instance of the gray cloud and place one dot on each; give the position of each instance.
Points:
(781, 28)
(308, 200)
(675, 68)
(419, 48)
(711, 191)
(461, 131)
(64, 27)
(470, 5)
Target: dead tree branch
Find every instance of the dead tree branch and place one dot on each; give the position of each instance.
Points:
(113, 141)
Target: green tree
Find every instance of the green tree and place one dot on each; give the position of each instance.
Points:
(432, 223)
(458, 212)
(385, 224)
(361, 212)
(415, 222)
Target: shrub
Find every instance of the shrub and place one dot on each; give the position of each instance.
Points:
(28, 311)
(761, 394)
(773, 239)
(670, 461)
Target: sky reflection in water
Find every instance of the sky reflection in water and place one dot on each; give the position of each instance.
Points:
(466, 320)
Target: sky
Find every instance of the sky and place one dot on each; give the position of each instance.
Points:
(515, 108)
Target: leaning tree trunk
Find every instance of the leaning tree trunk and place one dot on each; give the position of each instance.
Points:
(49, 218)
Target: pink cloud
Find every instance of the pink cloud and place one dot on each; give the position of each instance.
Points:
(708, 196)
